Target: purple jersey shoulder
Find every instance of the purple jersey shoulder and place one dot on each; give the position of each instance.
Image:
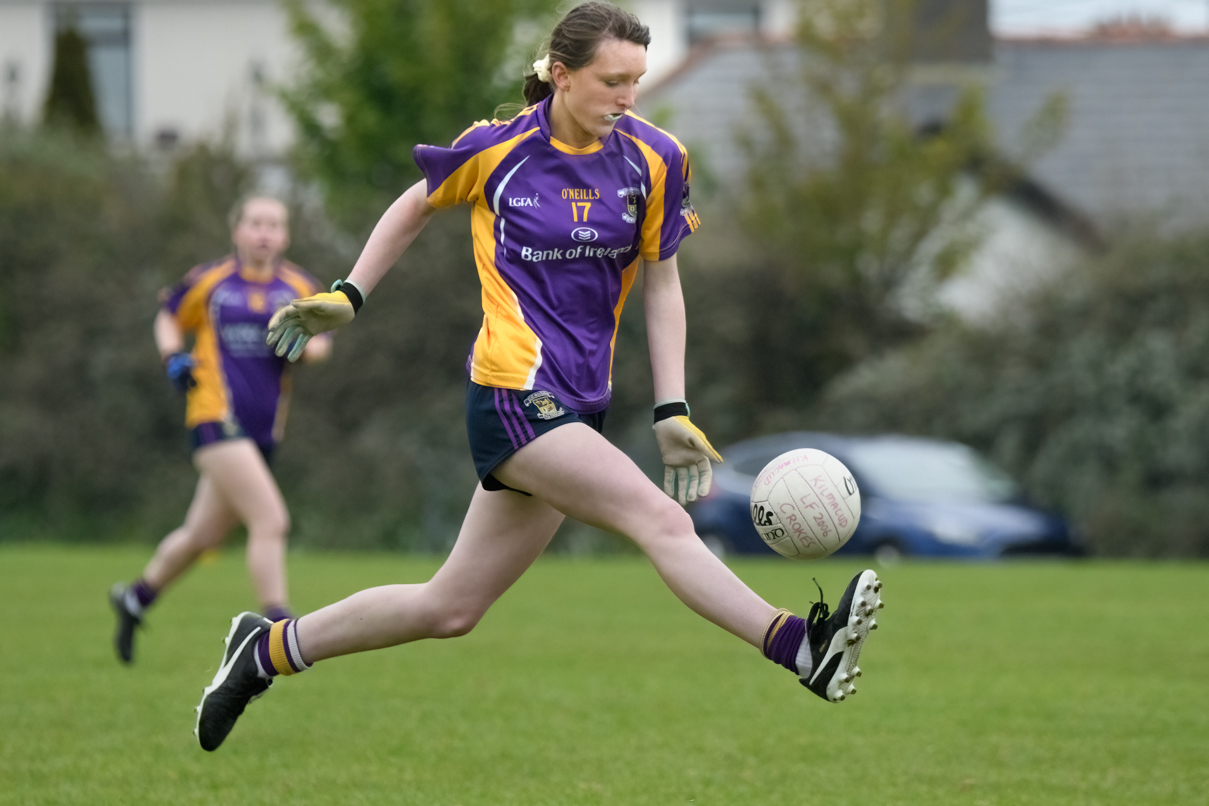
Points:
(170, 296)
(663, 143)
(486, 133)
(439, 162)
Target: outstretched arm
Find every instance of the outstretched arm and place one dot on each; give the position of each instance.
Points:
(686, 451)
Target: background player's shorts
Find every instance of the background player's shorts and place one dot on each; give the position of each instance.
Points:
(208, 433)
(502, 421)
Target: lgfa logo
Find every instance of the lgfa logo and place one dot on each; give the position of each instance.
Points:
(523, 201)
(584, 234)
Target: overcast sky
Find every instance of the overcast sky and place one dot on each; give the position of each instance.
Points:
(1039, 16)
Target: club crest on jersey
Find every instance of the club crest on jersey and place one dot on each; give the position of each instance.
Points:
(547, 408)
(687, 212)
(630, 215)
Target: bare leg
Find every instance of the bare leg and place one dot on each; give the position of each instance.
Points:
(246, 485)
(501, 536)
(206, 524)
(572, 470)
(581, 474)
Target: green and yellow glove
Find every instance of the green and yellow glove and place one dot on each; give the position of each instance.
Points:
(686, 453)
(295, 324)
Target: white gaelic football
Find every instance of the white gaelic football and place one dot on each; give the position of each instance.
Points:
(805, 504)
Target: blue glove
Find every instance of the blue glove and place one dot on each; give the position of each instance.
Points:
(180, 371)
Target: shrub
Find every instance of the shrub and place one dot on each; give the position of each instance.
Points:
(1096, 395)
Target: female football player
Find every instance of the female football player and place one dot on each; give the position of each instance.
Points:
(237, 396)
(570, 199)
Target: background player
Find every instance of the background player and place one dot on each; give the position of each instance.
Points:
(568, 198)
(237, 398)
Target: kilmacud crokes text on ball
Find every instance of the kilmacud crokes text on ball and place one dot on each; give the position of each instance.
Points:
(805, 504)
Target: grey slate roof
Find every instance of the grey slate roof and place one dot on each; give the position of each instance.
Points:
(1137, 136)
(1136, 142)
(707, 100)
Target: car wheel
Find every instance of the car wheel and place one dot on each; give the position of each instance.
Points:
(717, 545)
(887, 553)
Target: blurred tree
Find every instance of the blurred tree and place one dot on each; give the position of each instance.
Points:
(852, 215)
(1096, 395)
(390, 74)
(203, 184)
(70, 101)
(79, 427)
(91, 437)
(92, 442)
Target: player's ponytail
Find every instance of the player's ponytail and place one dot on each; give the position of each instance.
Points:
(575, 39)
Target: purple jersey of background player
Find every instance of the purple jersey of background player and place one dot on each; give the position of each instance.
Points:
(558, 232)
(239, 381)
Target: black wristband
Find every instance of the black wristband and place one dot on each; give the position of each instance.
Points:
(675, 409)
(349, 290)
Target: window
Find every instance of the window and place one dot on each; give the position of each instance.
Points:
(710, 18)
(12, 91)
(105, 29)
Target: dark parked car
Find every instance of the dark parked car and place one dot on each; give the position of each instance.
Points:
(919, 497)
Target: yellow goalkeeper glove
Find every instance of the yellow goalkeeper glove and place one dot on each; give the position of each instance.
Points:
(294, 325)
(686, 453)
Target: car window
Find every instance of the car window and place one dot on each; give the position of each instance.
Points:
(923, 471)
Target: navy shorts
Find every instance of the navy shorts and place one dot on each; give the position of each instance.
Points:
(209, 433)
(502, 421)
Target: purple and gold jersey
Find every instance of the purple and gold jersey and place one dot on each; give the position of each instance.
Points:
(558, 232)
(240, 382)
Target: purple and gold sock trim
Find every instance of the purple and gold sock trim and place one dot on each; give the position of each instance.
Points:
(144, 593)
(278, 651)
(783, 638)
(774, 625)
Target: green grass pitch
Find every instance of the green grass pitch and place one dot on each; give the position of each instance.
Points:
(590, 684)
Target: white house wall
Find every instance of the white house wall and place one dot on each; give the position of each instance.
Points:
(193, 62)
(668, 21)
(194, 72)
(668, 47)
(192, 68)
(25, 48)
(1018, 252)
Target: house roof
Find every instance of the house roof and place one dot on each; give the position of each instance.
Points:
(707, 101)
(1136, 140)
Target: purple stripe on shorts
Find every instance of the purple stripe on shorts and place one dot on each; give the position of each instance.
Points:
(516, 417)
(504, 419)
(520, 415)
